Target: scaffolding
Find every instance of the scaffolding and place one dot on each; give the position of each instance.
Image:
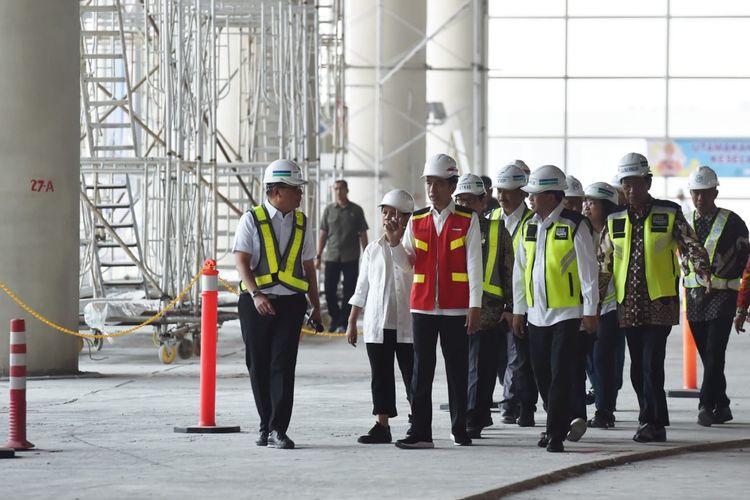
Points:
(183, 103)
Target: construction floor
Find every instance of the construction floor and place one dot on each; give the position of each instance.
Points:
(111, 436)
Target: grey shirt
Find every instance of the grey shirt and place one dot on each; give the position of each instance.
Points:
(343, 225)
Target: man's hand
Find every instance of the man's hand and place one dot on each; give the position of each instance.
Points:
(394, 230)
(472, 320)
(507, 316)
(351, 334)
(263, 305)
(706, 277)
(315, 315)
(317, 263)
(519, 325)
(739, 322)
(590, 324)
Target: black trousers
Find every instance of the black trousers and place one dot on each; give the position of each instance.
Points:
(383, 383)
(455, 345)
(584, 343)
(484, 347)
(647, 345)
(606, 382)
(520, 388)
(333, 271)
(711, 338)
(271, 344)
(553, 350)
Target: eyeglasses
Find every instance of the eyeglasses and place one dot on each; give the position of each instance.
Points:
(287, 186)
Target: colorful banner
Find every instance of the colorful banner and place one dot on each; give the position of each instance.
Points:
(679, 157)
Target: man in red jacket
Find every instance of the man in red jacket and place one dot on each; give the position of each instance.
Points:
(442, 243)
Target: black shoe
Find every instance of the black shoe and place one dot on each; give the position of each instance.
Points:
(474, 432)
(706, 417)
(577, 429)
(509, 417)
(555, 447)
(410, 430)
(526, 418)
(649, 433)
(379, 434)
(543, 441)
(262, 439)
(600, 421)
(590, 397)
(280, 441)
(722, 415)
(412, 442)
(461, 439)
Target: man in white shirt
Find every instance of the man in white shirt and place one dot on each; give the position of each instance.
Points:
(443, 245)
(555, 282)
(520, 393)
(274, 255)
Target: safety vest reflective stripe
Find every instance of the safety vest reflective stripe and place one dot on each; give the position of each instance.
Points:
(267, 271)
(457, 243)
(421, 245)
(460, 277)
(490, 283)
(712, 240)
(418, 278)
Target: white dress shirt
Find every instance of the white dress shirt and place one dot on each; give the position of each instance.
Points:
(514, 218)
(404, 256)
(247, 240)
(383, 290)
(539, 314)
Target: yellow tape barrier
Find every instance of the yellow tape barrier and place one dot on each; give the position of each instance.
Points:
(52, 324)
(62, 329)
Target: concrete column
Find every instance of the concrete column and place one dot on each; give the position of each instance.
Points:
(39, 194)
(404, 93)
(456, 58)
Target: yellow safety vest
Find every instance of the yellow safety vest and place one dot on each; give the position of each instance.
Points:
(492, 258)
(561, 280)
(659, 249)
(516, 235)
(712, 240)
(271, 270)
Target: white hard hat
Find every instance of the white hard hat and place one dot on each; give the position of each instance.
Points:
(400, 200)
(616, 183)
(575, 188)
(703, 178)
(602, 191)
(469, 184)
(633, 165)
(510, 177)
(520, 164)
(284, 171)
(546, 178)
(440, 165)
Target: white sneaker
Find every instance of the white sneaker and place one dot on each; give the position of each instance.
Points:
(577, 429)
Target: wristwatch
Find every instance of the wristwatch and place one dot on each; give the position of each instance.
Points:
(256, 292)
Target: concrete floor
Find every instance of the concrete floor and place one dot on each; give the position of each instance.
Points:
(112, 436)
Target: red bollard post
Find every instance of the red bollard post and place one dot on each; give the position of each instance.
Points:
(17, 413)
(209, 321)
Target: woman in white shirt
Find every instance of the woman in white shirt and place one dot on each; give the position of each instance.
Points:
(387, 322)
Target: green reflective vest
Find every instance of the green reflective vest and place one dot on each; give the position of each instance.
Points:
(516, 234)
(272, 270)
(712, 240)
(659, 249)
(561, 280)
(491, 257)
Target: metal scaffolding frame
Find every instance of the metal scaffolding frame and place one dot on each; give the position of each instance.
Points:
(183, 103)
